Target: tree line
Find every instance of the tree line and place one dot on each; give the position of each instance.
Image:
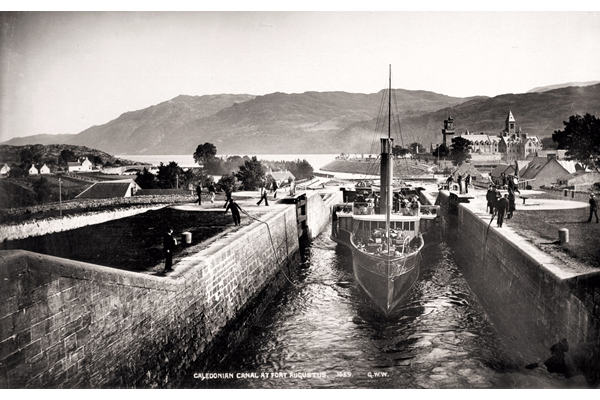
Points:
(237, 173)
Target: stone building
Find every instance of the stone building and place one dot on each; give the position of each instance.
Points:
(511, 143)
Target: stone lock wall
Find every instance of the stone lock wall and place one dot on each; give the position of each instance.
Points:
(70, 324)
(532, 300)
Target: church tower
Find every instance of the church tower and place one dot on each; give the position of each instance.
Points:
(448, 129)
(509, 124)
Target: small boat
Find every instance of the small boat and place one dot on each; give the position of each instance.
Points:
(383, 233)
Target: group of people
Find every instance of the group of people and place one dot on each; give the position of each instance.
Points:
(211, 190)
(407, 205)
(463, 183)
(502, 206)
(508, 182)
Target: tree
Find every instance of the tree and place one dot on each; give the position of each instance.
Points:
(146, 179)
(415, 147)
(461, 150)
(41, 188)
(251, 174)
(67, 156)
(442, 150)
(228, 182)
(168, 175)
(204, 152)
(26, 157)
(581, 139)
(96, 160)
(399, 151)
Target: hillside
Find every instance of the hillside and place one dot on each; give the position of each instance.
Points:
(538, 114)
(324, 122)
(562, 85)
(49, 153)
(273, 123)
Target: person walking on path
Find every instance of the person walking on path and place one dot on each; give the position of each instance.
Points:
(460, 183)
(263, 195)
(467, 183)
(502, 207)
(199, 193)
(511, 204)
(449, 182)
(275, 187)
(292, 186)
(169, 243)
(235, 211)
(593, 208)
(211, 190)
(227, 197)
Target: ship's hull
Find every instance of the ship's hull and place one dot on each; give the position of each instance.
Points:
(386, 281)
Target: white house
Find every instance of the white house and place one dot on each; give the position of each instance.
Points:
(33, 170)
(82, 165)
(44, 169)
(5, 169)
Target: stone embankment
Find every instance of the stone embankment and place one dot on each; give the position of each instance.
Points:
(533, 299)
(68, 324)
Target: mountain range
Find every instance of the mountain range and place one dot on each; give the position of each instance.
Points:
(320, 122)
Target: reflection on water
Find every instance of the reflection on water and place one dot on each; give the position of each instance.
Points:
(323, 332)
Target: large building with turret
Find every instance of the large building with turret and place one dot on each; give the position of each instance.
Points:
(510, 144)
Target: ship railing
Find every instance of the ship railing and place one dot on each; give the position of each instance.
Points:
(363, 208)
(429, 209)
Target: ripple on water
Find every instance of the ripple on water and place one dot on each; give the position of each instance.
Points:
(439, 338)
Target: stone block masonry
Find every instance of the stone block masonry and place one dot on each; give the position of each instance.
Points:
(67, 324)
(533, 299)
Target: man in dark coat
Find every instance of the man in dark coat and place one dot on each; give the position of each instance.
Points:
(449, 182)
(199, 193)
(511, 203)
(228, 192)
(460, 182)
(593, 208)
(169, 243)
(502, 207)
(467, 182)
(235, 211)
(490, 196)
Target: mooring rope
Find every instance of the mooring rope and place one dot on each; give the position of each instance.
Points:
(272, 243)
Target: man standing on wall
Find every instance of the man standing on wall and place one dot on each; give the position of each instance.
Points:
(199, 193)
(502, 207)
(169, 243)
(489, 196)
(235, 211)
(593, 208)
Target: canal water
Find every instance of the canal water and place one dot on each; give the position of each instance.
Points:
(323, 332)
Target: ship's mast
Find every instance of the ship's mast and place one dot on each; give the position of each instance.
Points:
(387, 172)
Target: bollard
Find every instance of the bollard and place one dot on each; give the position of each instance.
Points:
(563, 235)
(187, 237)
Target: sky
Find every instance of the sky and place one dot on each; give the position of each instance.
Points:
(62, 72)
